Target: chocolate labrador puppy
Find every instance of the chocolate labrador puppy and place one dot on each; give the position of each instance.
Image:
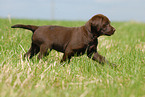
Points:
(69, 40)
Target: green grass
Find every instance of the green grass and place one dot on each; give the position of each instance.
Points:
(82, 77)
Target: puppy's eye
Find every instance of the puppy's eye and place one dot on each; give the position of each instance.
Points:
(105, 25)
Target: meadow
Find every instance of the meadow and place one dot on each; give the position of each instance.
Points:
(82, 77)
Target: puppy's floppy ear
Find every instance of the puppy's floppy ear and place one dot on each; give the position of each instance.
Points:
(94, 24)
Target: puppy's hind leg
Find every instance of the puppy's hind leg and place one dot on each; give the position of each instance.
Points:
(43, 50)
(34, 49)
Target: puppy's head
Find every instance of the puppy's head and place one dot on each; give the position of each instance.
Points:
(99, 25)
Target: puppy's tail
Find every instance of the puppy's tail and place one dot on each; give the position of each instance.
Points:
(29, 27)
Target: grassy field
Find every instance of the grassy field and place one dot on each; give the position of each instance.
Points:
(82, 77)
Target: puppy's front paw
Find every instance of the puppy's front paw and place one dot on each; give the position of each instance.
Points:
(111, 64)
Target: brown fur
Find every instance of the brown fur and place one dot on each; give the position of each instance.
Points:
(69, 40)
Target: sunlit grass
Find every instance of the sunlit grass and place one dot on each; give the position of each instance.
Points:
(82, 76)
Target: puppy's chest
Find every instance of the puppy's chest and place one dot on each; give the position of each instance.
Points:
(84, 47)
(92, 43)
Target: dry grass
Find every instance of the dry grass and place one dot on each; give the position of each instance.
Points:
(82, 77)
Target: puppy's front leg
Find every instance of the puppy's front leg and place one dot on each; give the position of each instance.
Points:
(64, 58)
(67, 56)
(99, 58)
(102, 60)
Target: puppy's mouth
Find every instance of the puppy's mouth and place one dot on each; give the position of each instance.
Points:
(110, 32)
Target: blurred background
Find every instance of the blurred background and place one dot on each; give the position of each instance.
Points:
(116, 10)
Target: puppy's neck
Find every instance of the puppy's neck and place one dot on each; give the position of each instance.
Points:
(91, 33)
